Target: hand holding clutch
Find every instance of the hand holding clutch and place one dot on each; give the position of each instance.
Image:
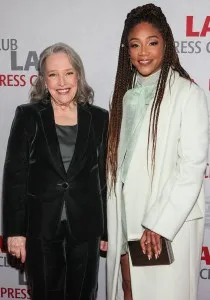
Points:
(151, 243)
(151, 250)
(138, 258)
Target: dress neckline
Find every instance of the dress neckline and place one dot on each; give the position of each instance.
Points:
(66, 126)
(148, 80)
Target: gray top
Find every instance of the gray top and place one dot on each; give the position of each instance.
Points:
(67, 139)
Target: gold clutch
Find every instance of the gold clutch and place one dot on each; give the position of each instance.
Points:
(140, 259)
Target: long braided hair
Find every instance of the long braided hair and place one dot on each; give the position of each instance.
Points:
(125, 79)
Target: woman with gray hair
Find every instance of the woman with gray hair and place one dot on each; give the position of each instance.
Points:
(54, 181)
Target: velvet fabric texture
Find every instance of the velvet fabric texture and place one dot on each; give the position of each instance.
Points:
(66, 269)
(36, 183)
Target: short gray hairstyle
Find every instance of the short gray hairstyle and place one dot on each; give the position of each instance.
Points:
(38, 91)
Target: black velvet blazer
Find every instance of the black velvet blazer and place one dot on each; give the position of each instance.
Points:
(35, 180)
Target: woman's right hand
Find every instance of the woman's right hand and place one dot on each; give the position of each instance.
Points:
(103, 246)
(17, 247)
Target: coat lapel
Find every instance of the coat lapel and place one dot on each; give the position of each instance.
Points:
(84, 126)
(48, 122)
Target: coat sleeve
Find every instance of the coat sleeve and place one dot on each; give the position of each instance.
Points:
(102, 172)
(192, 155)
(15, 178)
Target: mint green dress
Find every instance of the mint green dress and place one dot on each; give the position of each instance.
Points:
(135, 104)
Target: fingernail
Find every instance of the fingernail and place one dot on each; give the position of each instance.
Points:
(156, 256)
(149, 257)
(144, 251)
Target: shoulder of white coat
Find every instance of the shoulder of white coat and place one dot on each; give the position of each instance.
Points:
(179, 83)
(185, 88)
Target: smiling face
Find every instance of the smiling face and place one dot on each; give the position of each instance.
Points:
(60, 78)
(146, 48)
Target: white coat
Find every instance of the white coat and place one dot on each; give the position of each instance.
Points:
(173, 205)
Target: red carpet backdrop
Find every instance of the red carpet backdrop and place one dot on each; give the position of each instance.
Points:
(93, 28)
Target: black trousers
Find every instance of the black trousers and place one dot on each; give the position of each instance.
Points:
(62, 269)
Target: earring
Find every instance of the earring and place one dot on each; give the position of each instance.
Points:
(131, 66)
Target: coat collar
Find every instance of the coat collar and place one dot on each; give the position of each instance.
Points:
(48, 122)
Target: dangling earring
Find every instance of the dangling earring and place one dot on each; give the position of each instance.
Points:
(131, 65)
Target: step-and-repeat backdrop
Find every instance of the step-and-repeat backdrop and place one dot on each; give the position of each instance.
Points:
(93, 28)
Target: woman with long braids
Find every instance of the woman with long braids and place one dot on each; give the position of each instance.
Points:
(157, 153)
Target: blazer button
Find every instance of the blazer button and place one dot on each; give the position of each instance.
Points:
(65, 185)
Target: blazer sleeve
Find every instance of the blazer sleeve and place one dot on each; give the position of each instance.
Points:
(192, 153)
(15, 178)
(102, 173)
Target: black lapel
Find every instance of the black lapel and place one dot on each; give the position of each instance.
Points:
(48, 122)
(84, 126)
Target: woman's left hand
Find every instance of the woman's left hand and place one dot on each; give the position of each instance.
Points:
(151, 243)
